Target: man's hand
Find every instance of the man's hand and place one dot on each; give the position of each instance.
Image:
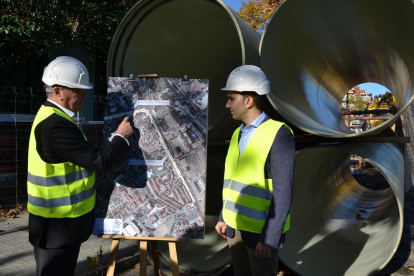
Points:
(221, 229)
(262, 250)
(125, 128)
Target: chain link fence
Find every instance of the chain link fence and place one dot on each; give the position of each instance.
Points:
(18, 107)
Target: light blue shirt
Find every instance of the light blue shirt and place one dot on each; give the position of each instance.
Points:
(247, 132)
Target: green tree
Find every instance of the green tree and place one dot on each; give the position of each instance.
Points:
(387, 99)
(30, 28)
(360, 104)
(27, 30)
(257, 13)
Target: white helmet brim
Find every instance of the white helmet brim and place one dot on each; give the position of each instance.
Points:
(68, 72)
(248, 78)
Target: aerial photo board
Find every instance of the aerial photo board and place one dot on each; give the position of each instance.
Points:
(158, 188)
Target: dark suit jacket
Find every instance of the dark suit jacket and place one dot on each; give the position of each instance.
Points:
(280, 164)
(58, 141)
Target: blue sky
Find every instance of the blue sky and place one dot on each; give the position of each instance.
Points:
(234, 4)
(373, 88)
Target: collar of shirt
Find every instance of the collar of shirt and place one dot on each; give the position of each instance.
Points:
(254, 124)
(247, 132)
(67, 111)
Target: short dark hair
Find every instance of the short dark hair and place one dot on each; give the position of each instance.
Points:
(257, 99)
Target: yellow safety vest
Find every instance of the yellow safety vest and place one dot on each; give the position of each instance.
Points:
(247, 193)
(62, 190)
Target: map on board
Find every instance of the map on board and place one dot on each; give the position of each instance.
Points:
(158, 188)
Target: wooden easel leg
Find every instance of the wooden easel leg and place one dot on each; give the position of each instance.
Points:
(143, 258)
(156, 256)
(173, 257)
(112, 257)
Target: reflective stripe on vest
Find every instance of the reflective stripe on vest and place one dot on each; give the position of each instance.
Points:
(247, 194)
(62, 201)
(247, 189)
(58, 180)
(57, 190)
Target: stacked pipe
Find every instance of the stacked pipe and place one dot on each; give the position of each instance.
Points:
(199, 39)
(312, 52)
(193, 38)
(338, 226)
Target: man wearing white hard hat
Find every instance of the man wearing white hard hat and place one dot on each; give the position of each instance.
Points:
(61, 169)
(258, 177)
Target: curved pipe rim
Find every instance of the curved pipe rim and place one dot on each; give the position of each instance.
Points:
(123, 25)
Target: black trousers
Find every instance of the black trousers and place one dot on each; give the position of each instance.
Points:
(55, 261)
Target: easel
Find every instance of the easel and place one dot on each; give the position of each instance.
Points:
(143, 245)
(143, 249)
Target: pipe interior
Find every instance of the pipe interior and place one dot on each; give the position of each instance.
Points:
(313, 52)
(338, 226)
(198, 38)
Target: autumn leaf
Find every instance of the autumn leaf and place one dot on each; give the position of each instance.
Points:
(257, 13)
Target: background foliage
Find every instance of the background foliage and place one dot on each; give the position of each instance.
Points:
(33, 32)
(258, 12)
(29, 29)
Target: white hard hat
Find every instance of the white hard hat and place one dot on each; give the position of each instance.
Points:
(248, 78)
(67, 71)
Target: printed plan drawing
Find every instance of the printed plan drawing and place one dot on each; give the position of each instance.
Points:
(158, 188)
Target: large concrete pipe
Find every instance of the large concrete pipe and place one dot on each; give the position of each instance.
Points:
(313, 52)
(338, 226)
(200, 39)
(407, 119)
(197, 38)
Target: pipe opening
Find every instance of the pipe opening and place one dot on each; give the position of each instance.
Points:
(362, 110)
(366, 174)
(351, 229)
(330, 47)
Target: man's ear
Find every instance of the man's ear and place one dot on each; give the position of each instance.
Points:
(56, 91)
(249, 101)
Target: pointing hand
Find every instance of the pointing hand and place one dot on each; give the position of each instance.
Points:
(125, 128)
